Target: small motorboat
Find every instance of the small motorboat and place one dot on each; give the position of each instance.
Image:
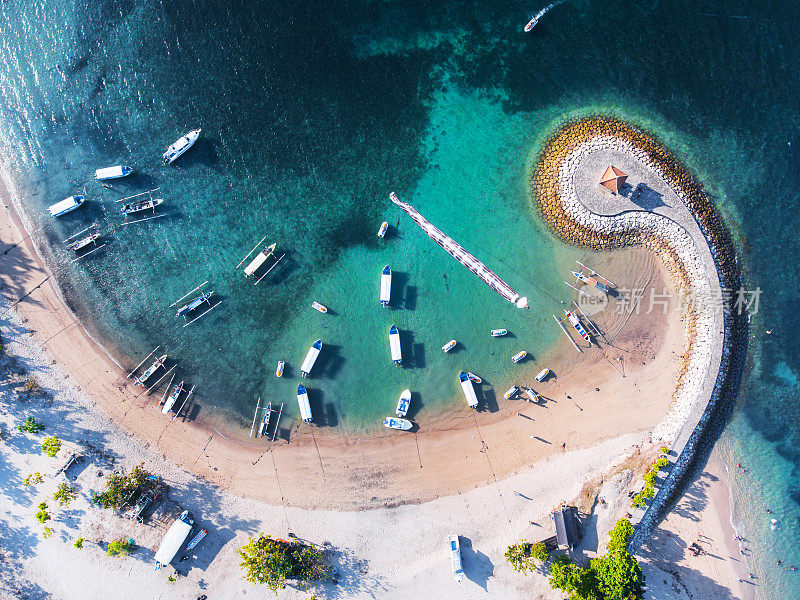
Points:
(531, 24)
(386, 286)
(173, 398)
(302, 401)
(279, 370)
(66, 205)
(401, 424)
(394, 345)
(152, 369)
(449, 346)
(320, 307)
(382, 230)
(403, 403)
(534, 397)
(511, 392)
(184, 310)
(311, 358)
(455, 558)
(474, 377)
(112, 173)
(519, 356)
(542, 375)
(180, 146)
(499, 332)
(469, 391)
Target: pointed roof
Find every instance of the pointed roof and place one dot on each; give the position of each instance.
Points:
(613, 178)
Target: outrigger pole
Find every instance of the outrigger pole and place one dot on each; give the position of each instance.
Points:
(594, 328)
(148, 192)
(255, 414)
(167, 390)
(185, 400)
(278, 422)
(568, 335)
(251, 251)
(92, 226)
(194, 290)
(206, 311)
(270, 269)
(136, 368)
(152, 387)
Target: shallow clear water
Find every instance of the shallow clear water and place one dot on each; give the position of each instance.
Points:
(306, 130)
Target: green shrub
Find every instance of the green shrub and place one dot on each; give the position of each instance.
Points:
(47, 532)
(33, 478)
(618, 537)
(79, 543)
(32, 387)
(120, 547)
(51, 445)
(120, 487)
(30, 426)
(664, 450)
(539, 552)
(65, 494)
(42, 516)
(272, 562)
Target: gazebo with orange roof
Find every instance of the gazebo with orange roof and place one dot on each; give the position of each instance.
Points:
(613, 179)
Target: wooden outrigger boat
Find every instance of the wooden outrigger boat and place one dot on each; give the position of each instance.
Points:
(173, 398)
(159, 362)
(265, 420)
(575, 321)
(186, 309)
(591, 278)
(81, 243)
(260, 259)
(131, 206)
(175, 150)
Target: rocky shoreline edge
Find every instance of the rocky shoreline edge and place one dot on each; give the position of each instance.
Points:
(715, 347)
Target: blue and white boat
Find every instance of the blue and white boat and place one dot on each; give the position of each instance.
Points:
(469, 391)
(180, 146)
(184, 310)
(575, 321)
(311, 358)
(455, 558)
(499, 332)
(66, 205)
(174, 539)
(386, 286)
(112, 173)
(173, 398)
(400, 424)
(403, 403)
(394, 345)
(302, 402)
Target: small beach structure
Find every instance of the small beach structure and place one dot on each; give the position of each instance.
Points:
(112, 173)
(613, 179)
(181, 145)
(468, 389)
(566, 522)
(311, 358)
(455, 558)
(302, 402)
(394, 345)
(403, 403)
(174, 539)
(260, 259)
(66, 205)
(455, 250)
(386, 286)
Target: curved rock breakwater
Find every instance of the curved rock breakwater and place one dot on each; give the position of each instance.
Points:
(686, 231)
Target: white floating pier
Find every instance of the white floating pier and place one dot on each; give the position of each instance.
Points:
(305, 406)
(386, 286)
(311, 358)
(468, 389)
(394, 345)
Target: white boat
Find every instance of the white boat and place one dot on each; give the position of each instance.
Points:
(112, 173)
(80, 244)
(174, 539)
(180, 146)
(469, 391)
(519, 356)
(265, 420)
(394, 345)
(449, 346)
(575, 321)
(499, 332)
(311, 358)
(184, 310)
(173, 398)
(455, 558)
(511, 392)
(259, 260)
(305, 406)
(403, 403)
(542, 375)
(401, 424)
(140, 205)
(152, 369)
(382, 230)
(66, 205)
(386, 286)
(279, 370)
(320, 307)
(474, 377)
(534, 397)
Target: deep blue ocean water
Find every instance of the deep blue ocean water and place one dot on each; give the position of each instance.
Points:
(313, 113)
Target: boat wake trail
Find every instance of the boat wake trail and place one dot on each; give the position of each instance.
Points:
(535, 19)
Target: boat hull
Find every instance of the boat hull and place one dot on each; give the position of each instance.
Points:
(386, 286)
(398, 424)
(311, 358)
(304, 404)
(67, 205)
(499, 332)
(112, 173)
(449, 346)
(394, 346)
(403, 404)
(468, 389)
(180, 146)
(519, 356)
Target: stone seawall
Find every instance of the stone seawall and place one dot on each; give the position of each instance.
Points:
(682, 226)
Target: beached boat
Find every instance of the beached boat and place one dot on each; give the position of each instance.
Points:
(180, 146)
(173, 398)
(174, 539)
(590, 281)
(511, 392)
(455, 558)
(499, 332)
(575, 321)
(403, 403)
(474, 377)
(542, 375)
(196, 539)
(449, 346)
(112, 173)
(519, 356)
(320, 307)
(184, 310)
(469, 391)
(66, 205)
(386, 286)
(80, 244)
(394, 345)
(305, 406)
(311, 358)
(152, 369)
(382, 230)
(265, 420)
(401, 424)
(140, 205)
(279, 370)
(534, 397)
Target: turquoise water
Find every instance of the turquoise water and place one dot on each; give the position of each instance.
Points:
(307, 129)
